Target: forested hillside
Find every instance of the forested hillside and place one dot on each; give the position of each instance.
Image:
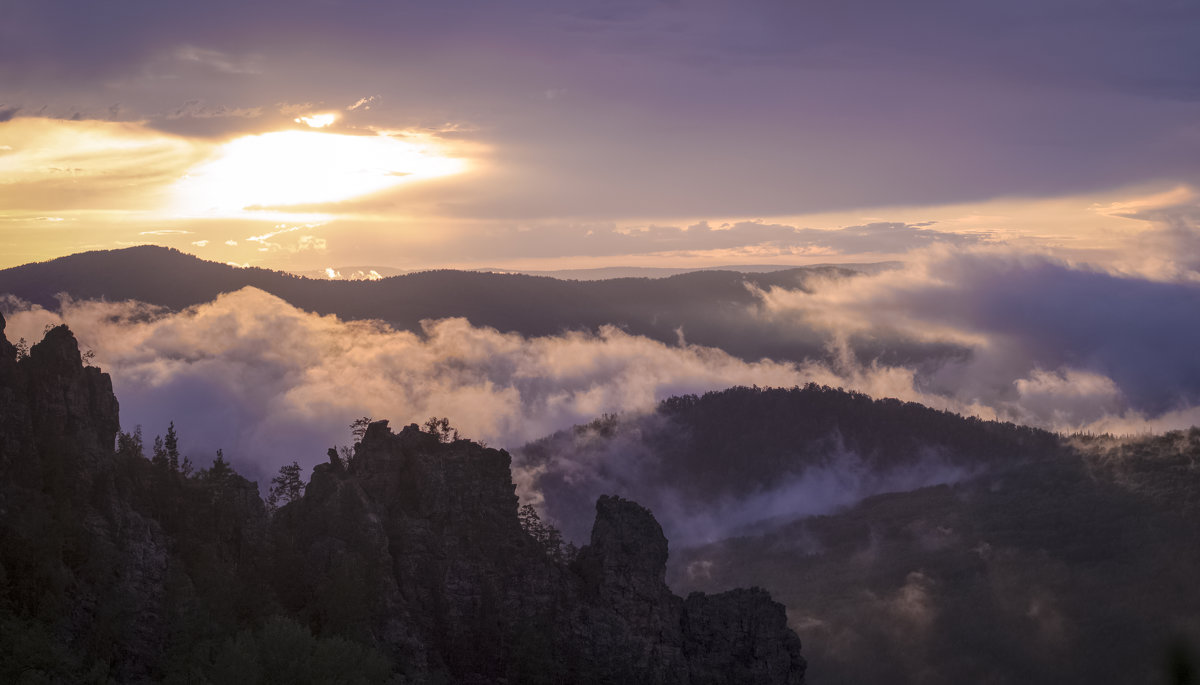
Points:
(914, 545)
(757, 453)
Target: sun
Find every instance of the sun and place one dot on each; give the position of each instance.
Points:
(291, 168)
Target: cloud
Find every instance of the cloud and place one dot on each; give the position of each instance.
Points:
(7, 112)
(269, 383)
(217, 60)
(197, 109)
(313, 243)
(763, 109)
(90, 165)
(1042, 341)
(755, 239)
(317, 120)
(986, 331)
(1170, 248)
(564, 475)
(989, 332)
(363, 103)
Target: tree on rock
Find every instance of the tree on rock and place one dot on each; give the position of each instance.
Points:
(546, 535)
(219, 472)
(286, 487)
(358, 428)
(441, 428)
(130, 444)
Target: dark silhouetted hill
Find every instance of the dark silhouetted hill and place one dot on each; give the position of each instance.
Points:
(742, 455)
(712, 308)
(912, 545)
(1064, 571)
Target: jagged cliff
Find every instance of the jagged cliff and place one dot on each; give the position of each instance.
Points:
(76, 560)
(407, 563)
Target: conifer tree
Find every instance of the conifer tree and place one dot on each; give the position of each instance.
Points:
(171, 443)
(286, 487)
(160, 452)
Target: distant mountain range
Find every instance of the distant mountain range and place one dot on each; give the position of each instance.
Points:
(711, 308)
(594, 274)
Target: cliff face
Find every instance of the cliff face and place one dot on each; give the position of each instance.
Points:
(70, 548)
(456, 586)
(50, 397)
(413, 549)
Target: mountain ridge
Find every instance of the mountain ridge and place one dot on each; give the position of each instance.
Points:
(710, 308)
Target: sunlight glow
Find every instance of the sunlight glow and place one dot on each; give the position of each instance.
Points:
(317, 120)
(288, 169)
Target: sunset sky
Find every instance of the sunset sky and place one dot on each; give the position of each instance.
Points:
(539, 135)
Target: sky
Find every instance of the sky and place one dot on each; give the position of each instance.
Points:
(1032, 167)
(539, 135)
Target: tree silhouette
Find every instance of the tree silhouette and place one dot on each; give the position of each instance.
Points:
(358, 427)
(171, 444)
(160, 452)
(546, 535)
(441, 428)
(287, 486)
(130, 444)
(220, 471)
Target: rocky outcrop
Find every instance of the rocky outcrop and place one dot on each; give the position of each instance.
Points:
(14, 409)
(8, 353)
(413, 547)
(54, 411)
(457, 588)
(52, 399)
(69, 545)
(740, 636)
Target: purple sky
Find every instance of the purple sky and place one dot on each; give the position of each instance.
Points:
(573, 120)
(1034, 165)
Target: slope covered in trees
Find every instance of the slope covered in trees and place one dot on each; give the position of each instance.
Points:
(406, 562)
(1078, 569)
(712, 308)
(1027, 557)
(757, 453)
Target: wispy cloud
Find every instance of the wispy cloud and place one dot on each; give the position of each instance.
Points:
(198, 109)
(1043, 341)
(363, 103)
(220, 61)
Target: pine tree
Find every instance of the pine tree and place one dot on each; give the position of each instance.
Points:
(546, 535)
(286, 487)
(171, 443)
(130, 444)
(160, 452)
(441, 428)
(220, 471)
(358, 428)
